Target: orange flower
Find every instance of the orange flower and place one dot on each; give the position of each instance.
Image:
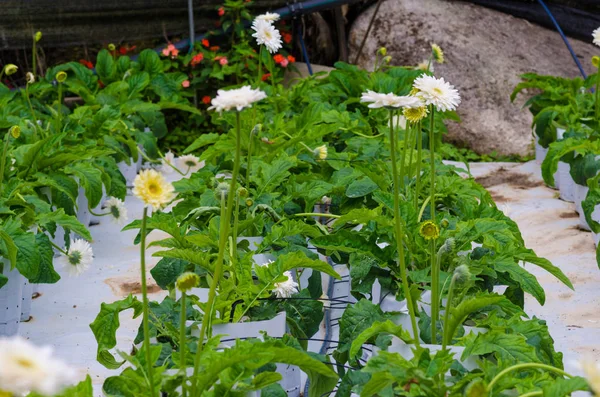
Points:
(291, 58)
(221, 11)
(206, 100)
(265, 76)
(287, 37)
(86, 63)
(205, 43)
(214, 48)
(278, 58)
(196, 59)
(170, 51)
(124, 50)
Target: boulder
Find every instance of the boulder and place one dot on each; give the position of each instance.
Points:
(486, 52)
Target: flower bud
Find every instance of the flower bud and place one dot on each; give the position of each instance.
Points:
(61, 77)
(249, 202)
(111, 47)
(10, 69)
(222, 189)
(383, 51)
(320, 152)
(387, 59)
(448, 246)
(38, 36)
(429, 230)
(462, 274)
(257, 128)
(187, 281)
(15, 131)
(30, 78)
(444, 223)
(596, 61)
(243, 192)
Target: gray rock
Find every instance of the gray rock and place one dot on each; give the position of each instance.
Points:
(486, 51)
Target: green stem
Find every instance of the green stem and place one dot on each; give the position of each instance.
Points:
(523, 366)
(403, 159)
(145, 312)
(34, 56)
(323, 215)
(432, 160)
(59, 110)
(249, 161)
(33, 116)
(95, 214)
(3, 161)
(446, 338)
(598, 94)
(259, 66)
(182, 344)
(400, 234)
(419, 138)
(236, 216)
(411, 135)
(533, 394)
(62, 251)
(224, 234)
(435, 292)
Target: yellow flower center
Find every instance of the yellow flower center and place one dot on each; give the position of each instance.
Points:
(23, 362)
(153, 188)
(437, 91)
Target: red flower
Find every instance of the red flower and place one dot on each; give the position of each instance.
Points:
(86, 63)
(185, 83)
(221, 11)
(170, 51)
(278, 58)
(291, 58)
(124, 50)
(214, 48)
(265, 76)
(206, 100)
(196, 59)
(287, 37)
(205, 43)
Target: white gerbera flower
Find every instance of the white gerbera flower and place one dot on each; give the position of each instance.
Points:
(378, 100)
(268, 17)
(437, 92)
(596, 36)
(167, 163)
(117, 210)
(26, 368)
(239, 98)
(320, 152)
(286, 289)
(79, 257)
(591, 371)
(190, 163)
(266, 34)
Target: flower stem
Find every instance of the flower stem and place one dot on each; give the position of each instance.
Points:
(236, 217)
(432, 160)
(59, 109)
(533, 394)
(145, 312)
(224, 234)
(258, 80)
(34, 117)
(400, 234)
(435, 292)
(34, 56)
(3, 160)
(403, 159)
(446, 338)
(182, 343)
(249, 160)
(411, 136)
(598, 94)
(419, 138)
(523, 366)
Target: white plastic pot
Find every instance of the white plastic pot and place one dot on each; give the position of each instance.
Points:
(566, 182)
(129, 171)
(276, 328)
(10, 301)
(540, 152)
(580, 194)
(83, 212)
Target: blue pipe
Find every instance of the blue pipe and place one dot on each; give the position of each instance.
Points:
(560, 31)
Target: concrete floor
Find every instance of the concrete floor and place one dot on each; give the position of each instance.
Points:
(62, 314)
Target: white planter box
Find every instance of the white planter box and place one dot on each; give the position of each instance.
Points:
(83, 212)
(26, 299)
(10, 301)
(566, 183)
(276, 328)
(540, 152)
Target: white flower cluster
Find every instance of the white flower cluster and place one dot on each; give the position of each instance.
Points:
(238, 99)
(265, 33)
(188, 164)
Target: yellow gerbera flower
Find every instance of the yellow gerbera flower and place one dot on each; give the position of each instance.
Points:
(438, 54)
(414, 115)
(187, 281)
(153, 189)
(429, 230)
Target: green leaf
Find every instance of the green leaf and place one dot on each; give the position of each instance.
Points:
(378, 382)
(11, 248)
(66, 221)
(179, 106)
(46, 273)
(356, 319)
(105, 66)
(150, 62)
(201, 141)
(526, 280)
(459, 314)
(167, 270)
(105, 328)
(527, 255)
(379, 327)
(137, 83)
(199, 258)
(361, 187)
(561, 387)
(91, 179)
(507, 347)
